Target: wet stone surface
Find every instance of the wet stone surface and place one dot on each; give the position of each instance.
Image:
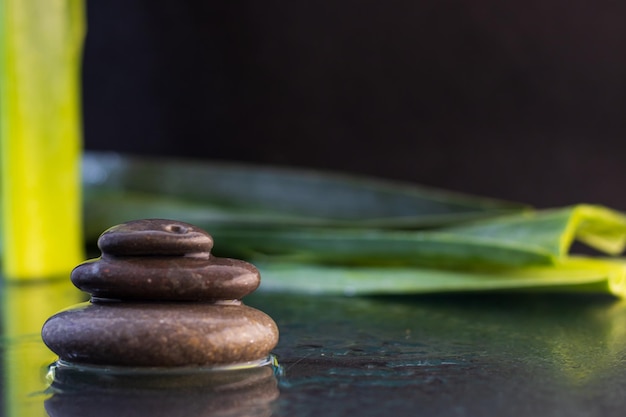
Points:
(167, 278)
(160, 299)
(155, 237)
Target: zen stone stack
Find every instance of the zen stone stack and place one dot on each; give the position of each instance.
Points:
(160, 299)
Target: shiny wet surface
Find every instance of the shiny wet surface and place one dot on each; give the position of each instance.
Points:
(452, 356)
(479, 355)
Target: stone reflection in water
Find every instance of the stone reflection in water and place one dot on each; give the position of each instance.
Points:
(78, 392)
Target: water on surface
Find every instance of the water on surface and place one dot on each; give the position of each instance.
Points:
(25, 307)
(489, 355)
(451, 356)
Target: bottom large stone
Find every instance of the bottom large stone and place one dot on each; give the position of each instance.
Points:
(160, 334)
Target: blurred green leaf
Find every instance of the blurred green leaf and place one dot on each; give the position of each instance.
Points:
(269, 197)
(347, 234)
(575, 274)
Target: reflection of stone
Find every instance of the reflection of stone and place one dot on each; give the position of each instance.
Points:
(159, 298)
(79, 393)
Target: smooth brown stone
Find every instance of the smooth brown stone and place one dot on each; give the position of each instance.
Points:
(159, 299)
(160, 334)
(155, 237)
(167, 278)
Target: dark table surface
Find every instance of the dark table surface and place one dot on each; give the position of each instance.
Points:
(453, 355)
(498, 354)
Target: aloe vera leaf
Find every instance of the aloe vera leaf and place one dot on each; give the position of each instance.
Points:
(40, 137)
(120, 189)
(561, 225)
(554, 230)
(575, 274)
(598, 227)
(375, 247)
(339, 200)
(104, 208)
(252, 235)
(540, 237)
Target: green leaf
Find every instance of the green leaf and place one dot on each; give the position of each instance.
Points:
(320, 232)
(576, 274)
(276, 196)
(530, 238)
(554, 230)
(40, 137)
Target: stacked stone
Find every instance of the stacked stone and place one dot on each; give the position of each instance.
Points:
(160, 299)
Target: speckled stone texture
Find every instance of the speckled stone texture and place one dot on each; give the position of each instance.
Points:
(155, 237)
(163, 334)
(160, 299)
(167, 278)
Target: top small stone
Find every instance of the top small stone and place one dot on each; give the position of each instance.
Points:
(155, 237)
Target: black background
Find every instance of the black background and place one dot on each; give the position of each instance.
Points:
(523, 100)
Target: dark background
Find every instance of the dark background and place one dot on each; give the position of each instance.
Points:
(523, 100)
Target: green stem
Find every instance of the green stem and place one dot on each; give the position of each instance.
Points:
(40, 136)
